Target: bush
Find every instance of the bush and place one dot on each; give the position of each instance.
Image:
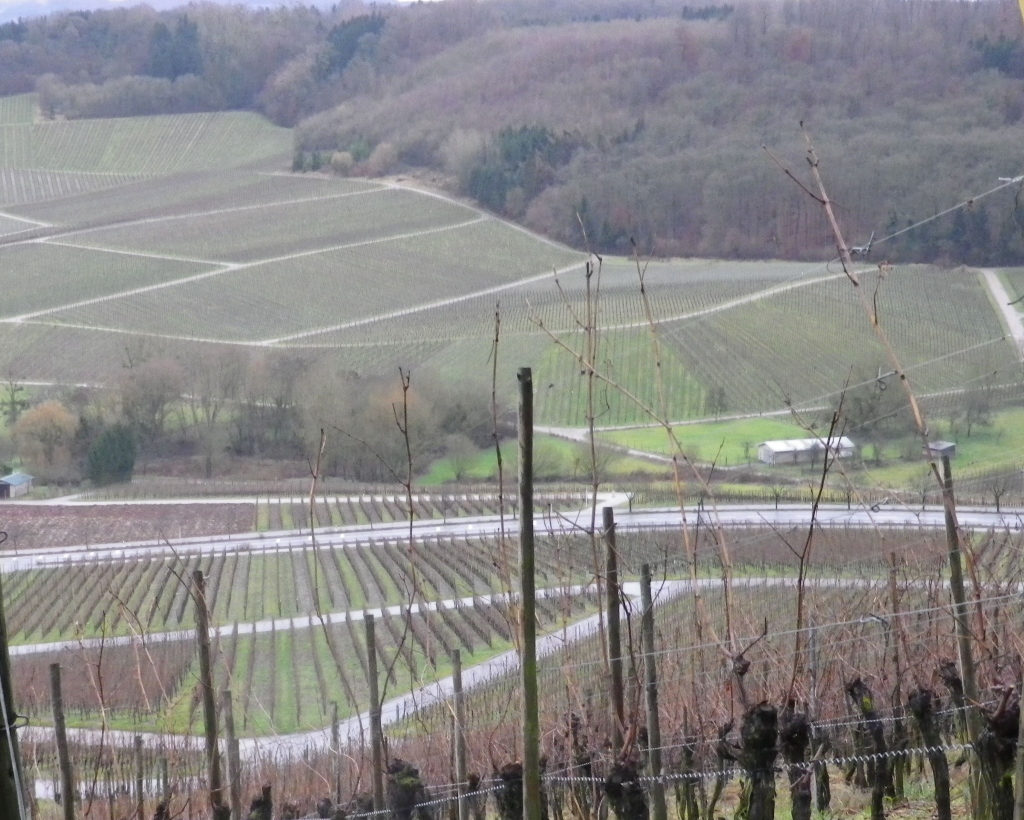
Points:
(112, 456)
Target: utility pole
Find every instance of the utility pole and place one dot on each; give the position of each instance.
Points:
(528, 603)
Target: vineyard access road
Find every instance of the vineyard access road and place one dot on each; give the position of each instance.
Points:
(1007, 310)
(733, 515)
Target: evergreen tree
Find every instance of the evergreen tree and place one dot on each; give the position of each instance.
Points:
(112, 456)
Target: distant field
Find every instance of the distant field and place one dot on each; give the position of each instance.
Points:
(251, 232)
(9, 226)
(19, 109)
(188, 231)
(311, 290)
(726, 442)
(802, 345)
(144, 145)
(60, 275)
(19, 186)
(188, 193)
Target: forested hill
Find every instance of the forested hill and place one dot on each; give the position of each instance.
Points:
(642, 119)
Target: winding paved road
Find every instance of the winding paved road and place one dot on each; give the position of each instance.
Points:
(733, 515)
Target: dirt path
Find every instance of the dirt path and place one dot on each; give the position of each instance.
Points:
(1011, 316)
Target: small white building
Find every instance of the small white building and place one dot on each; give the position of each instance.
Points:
(15, 484)
(801, 450)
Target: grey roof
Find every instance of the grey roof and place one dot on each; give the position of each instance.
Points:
(16, 479)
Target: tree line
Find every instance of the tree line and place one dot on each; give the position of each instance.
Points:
(221, 405)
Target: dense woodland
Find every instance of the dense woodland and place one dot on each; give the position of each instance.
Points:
(643, 118)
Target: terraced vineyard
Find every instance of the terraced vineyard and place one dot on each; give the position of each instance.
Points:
(130, 622)
(109, 599)
(68, 274)
(142, 145)
(194, 250)
(284, 677)
(85, 523)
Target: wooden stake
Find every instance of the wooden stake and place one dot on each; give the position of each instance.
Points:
(527, 602)
(460, 734)
(376, 731)
(613, 604)
(963, 638)
(67, 780)
(11, 799)
(659, 811)
(209, 700)
(165, 779)
(336, 751)
(140, 788)
(234, 758)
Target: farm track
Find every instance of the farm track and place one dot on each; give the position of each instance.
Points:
(737, 515)
(1011, 316)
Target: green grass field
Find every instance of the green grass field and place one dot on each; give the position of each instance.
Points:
(726, 442)
(994, 448)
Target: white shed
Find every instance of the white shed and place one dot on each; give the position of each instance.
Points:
(801, 450)
(15, 484)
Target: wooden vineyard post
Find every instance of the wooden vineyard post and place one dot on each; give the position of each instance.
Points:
(613, 605)
(11, 795)
(376, 732)
(140, 786)
(234, 759)
(209, 701)
(67, 780)
(164, 779)
(336, 751)
(460, 734)
(659, 811)
(528, 603)
(963, 639)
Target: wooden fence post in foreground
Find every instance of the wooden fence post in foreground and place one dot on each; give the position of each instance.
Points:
(460, 734)
(968, 673)
(336, 750)
(11, 796)
(659, 810)
(376, 731)
(613, 605)
(528, 603)
(67, 780)
(234, 759)
(209, 700)
(140, 786)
